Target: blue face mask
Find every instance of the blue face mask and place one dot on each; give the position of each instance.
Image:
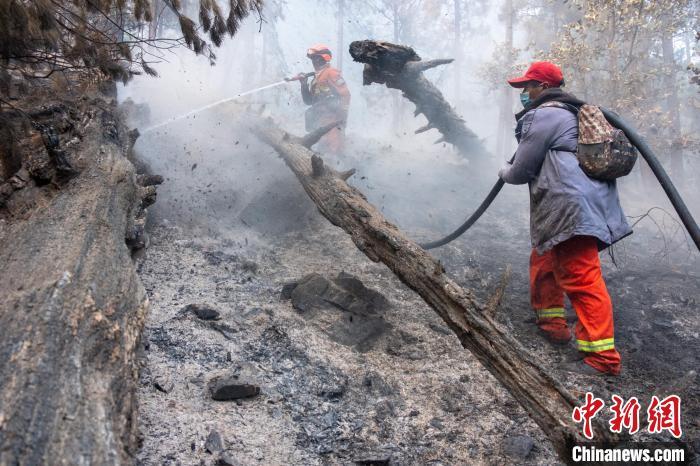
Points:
(525, 99)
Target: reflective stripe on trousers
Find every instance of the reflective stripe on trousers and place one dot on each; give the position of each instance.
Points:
(550, 312)
(596, 346)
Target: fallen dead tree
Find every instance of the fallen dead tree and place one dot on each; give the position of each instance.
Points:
(72, 306)
(547, 402)
(400, 67)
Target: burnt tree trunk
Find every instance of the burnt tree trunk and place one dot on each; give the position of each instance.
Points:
(73, 306)
(400, 67)
(547, 402)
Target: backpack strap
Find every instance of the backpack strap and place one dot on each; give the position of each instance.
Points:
(562, 105)
(554, 103)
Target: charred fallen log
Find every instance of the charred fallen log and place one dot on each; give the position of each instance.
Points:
(72, 306)
(547, 402)
(400, 67)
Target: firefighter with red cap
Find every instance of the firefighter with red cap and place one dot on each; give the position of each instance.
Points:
(572, 218)
(328, 96)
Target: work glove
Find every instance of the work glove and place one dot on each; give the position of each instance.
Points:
(503, 170)
(506, 168)
(300, 77)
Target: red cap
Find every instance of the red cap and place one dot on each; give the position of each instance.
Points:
(542, 71)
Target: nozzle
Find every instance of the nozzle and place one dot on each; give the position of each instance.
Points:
(300, 76)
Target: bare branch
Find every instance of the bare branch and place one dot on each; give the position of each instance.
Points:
(494, 301)
(421, 66)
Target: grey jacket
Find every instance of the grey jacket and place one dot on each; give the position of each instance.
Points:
(564, 202)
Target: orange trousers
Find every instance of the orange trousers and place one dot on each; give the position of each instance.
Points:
(334, 141)
(573, 267)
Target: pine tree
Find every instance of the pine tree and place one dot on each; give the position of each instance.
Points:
(41, 37)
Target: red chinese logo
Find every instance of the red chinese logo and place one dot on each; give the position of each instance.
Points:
(624, 415)
(587, 412)
(665, 415)
(661, 415)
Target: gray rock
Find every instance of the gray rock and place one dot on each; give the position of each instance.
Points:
(518, 446)
(227, 460)
(214, 442)
(345, 291)
(163, 384)
(287, 289)
(365, 299)
(202, 311)
(333, 393)
(229, 388)
(437, 423)
(308, 294)
(346, 310)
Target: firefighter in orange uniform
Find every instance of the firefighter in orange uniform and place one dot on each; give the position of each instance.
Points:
(329, 98)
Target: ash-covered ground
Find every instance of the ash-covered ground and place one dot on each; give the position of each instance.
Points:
(393, 386)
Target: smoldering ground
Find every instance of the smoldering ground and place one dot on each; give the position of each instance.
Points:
(232, 226)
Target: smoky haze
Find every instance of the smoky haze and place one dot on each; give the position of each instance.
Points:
(220, 180)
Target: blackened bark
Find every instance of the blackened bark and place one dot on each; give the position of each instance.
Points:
(400, 67)
(73, 308)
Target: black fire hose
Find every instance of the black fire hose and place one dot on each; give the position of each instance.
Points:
(661, 175)
(643, 148)
(470, 221)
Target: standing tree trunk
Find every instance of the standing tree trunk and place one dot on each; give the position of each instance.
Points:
(246, 45)
(547, 402)
(672, 106)
(155, 26)
(458, 48)
(341, 39)
(395, 110)
(505, 109)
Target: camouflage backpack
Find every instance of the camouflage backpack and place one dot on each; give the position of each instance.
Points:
(603, 152)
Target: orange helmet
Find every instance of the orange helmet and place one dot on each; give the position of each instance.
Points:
(320, 50)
